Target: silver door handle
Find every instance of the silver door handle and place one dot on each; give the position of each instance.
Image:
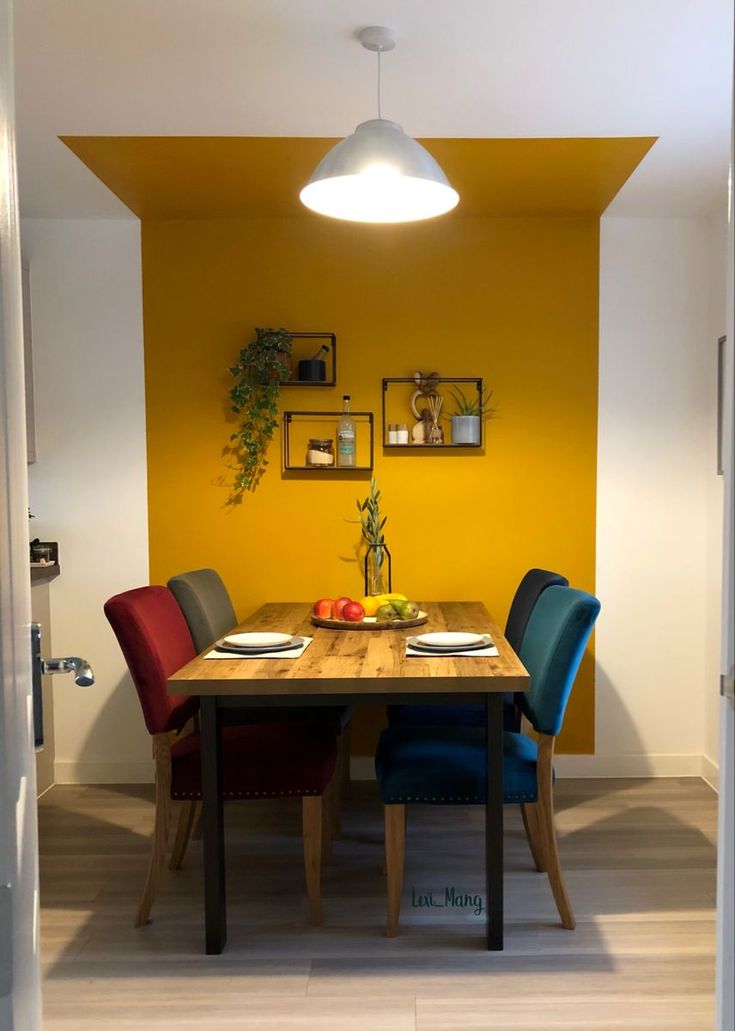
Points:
(727, 684)
(83, 675)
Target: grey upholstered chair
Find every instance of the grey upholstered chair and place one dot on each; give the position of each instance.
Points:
(209, 613)
(206, 604)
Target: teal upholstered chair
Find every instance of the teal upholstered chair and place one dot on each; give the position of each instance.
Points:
(447, 765)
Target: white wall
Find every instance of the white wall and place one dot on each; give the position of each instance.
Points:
(657, 636)
(658, 498)
(88, 486)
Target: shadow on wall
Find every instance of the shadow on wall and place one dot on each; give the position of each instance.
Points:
(117, 748)
(619, 724)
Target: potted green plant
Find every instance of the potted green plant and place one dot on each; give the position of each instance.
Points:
(471, 413)
(264, 364)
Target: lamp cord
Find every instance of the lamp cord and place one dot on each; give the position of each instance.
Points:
(380, 115)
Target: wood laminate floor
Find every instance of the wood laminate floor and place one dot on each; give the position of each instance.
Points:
(640, 863)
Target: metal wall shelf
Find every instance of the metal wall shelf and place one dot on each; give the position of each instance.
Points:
(421, 448)
(329, 421)
(331, 361)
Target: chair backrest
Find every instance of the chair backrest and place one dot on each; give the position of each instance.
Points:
(552, 649)
(155, 641)
(530, 589)
(206, 605)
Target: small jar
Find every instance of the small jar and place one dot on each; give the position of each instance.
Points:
(401, 433)
(392, 433)
(41, 554)
(320, 452)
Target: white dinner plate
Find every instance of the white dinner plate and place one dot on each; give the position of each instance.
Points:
(257, 641)
(450, 639)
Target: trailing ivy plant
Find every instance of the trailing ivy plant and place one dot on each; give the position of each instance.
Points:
(264, 364)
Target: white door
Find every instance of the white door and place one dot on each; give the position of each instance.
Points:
(20, 1004)
(726, 832)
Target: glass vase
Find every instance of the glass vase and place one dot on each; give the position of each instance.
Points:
(377, 570)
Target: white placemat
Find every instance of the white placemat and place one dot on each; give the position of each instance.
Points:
(476, 653)
(287, 653)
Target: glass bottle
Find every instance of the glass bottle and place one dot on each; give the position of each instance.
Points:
(346, 436)
(377, 569)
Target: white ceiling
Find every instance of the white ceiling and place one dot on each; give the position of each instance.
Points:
(503, 68)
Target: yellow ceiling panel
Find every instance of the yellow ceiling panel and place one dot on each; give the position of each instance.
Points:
(185, 177)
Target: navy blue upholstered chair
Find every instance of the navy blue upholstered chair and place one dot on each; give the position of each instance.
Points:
(446, 765)
(530, 589)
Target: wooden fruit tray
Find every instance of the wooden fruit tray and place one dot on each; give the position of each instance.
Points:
(370, 623)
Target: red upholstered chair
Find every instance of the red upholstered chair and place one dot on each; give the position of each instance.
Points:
(263, 761)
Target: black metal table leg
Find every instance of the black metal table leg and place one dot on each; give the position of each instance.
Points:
(213, 831)
(494, 823)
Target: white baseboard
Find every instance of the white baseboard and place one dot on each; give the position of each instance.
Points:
(604, 766)
(363, 768)
(103, 773)
(711, 772)
(652, 765)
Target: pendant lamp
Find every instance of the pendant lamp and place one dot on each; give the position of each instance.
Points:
(379, 173)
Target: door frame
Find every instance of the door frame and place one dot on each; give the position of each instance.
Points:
(20, 997)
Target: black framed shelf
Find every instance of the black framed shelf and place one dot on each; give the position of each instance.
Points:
(302, 352)
(299, 427)
(422, 448)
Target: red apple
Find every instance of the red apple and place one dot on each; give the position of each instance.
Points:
(323, 608)
(353, 612)
(339, 606)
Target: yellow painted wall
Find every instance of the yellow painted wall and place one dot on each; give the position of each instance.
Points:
(512, 300)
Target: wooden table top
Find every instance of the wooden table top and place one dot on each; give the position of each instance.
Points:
(374, 663)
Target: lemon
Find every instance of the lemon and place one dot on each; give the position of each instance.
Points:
(371, 604)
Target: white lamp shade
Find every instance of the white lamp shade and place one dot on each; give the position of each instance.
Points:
(379, 174)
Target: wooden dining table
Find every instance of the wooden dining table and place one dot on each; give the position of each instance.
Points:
(344, 667)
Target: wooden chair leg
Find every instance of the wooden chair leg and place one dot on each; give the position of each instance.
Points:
(384, 871)
(312, 828)
(533, 833)
(545, 809)
(187, 811)
(196, 831)
(395, 853)
(329, 801)
(162, 756)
